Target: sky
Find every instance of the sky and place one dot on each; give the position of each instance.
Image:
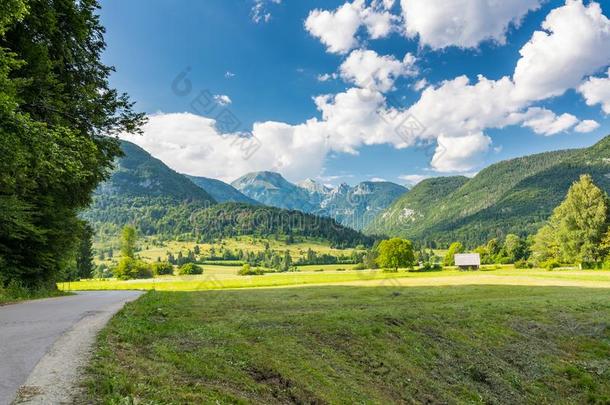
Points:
(360, 90)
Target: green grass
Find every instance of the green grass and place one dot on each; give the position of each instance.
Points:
(15, 293)
(225, 277)
(342, 344)
(150, 252)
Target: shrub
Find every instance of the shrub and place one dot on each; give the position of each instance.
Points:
(432, 267)
(130, 269)
(247, 270)
(523, 264)
(162, 268)
(190, 269)
(550, 264)
(359, 266)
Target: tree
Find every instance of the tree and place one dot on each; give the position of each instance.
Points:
(395, 253)
(575, 230)
(128, 242)
(514, 247)
(56, 106)
(456, 247)
(84, 256)
(162, 268)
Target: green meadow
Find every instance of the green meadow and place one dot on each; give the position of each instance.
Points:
(353, 344)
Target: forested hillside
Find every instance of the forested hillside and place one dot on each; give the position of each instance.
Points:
(513, 196)
(230, 219)
(144, 192)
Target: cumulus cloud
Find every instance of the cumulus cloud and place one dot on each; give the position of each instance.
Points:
(365, 68)
(420, 84)
(596, 90)
(190, 144)
(259, 13)
(337, 29)
(586, 126)
(573, 44)
(460, 153)
(461, 23)
(546, 122)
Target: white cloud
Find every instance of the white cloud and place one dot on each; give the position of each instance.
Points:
(463, 23)
(413, 179)
(222, 99)
(460, 154)
(190, 144)
(377, 179)
(586, 126)
(367, 69)
(546, 122)
(596, 90)
(574, 44)
(420, 84)
(337, 29)
(229, 75)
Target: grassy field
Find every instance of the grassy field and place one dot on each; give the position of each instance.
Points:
(342, 344)
(225, 277)
(149, 252)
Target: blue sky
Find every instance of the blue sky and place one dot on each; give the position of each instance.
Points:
(267, 63)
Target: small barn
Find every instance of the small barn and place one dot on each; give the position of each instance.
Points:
(467, 261)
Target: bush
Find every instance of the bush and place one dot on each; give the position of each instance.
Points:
(102, 271)
(247, 270)
(162, 268)
(359, 266)
(190, 269)
(431, 267)
(131, 269)
(523, 264)
(550, 264)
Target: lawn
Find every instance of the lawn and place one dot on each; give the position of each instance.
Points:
(342, 344)
(225, 277)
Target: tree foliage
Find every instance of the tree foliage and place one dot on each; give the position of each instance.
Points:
(56, 112)
(449, 259)
(395, 253)
(576, 230)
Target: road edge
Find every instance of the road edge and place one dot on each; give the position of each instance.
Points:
(56, 377)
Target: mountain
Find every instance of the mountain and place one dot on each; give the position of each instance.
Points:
(221, 191)
(513, 196)
(272, 189)
(357, 206)
(351, 206)
(144, 192)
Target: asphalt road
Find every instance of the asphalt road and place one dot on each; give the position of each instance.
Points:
(29, 329)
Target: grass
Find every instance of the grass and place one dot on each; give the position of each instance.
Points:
(150, 252)
(15, 293)
(225, 277)
(342, 344)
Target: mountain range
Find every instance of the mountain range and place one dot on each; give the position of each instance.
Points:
(513, 196)
(353, 206)
(142, 191)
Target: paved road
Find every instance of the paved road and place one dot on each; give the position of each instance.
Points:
(28, 330)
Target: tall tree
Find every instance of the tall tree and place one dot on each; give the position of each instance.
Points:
(575, 230)
(456, 247)
(128, 242)
(84, 255)
(57, 117)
